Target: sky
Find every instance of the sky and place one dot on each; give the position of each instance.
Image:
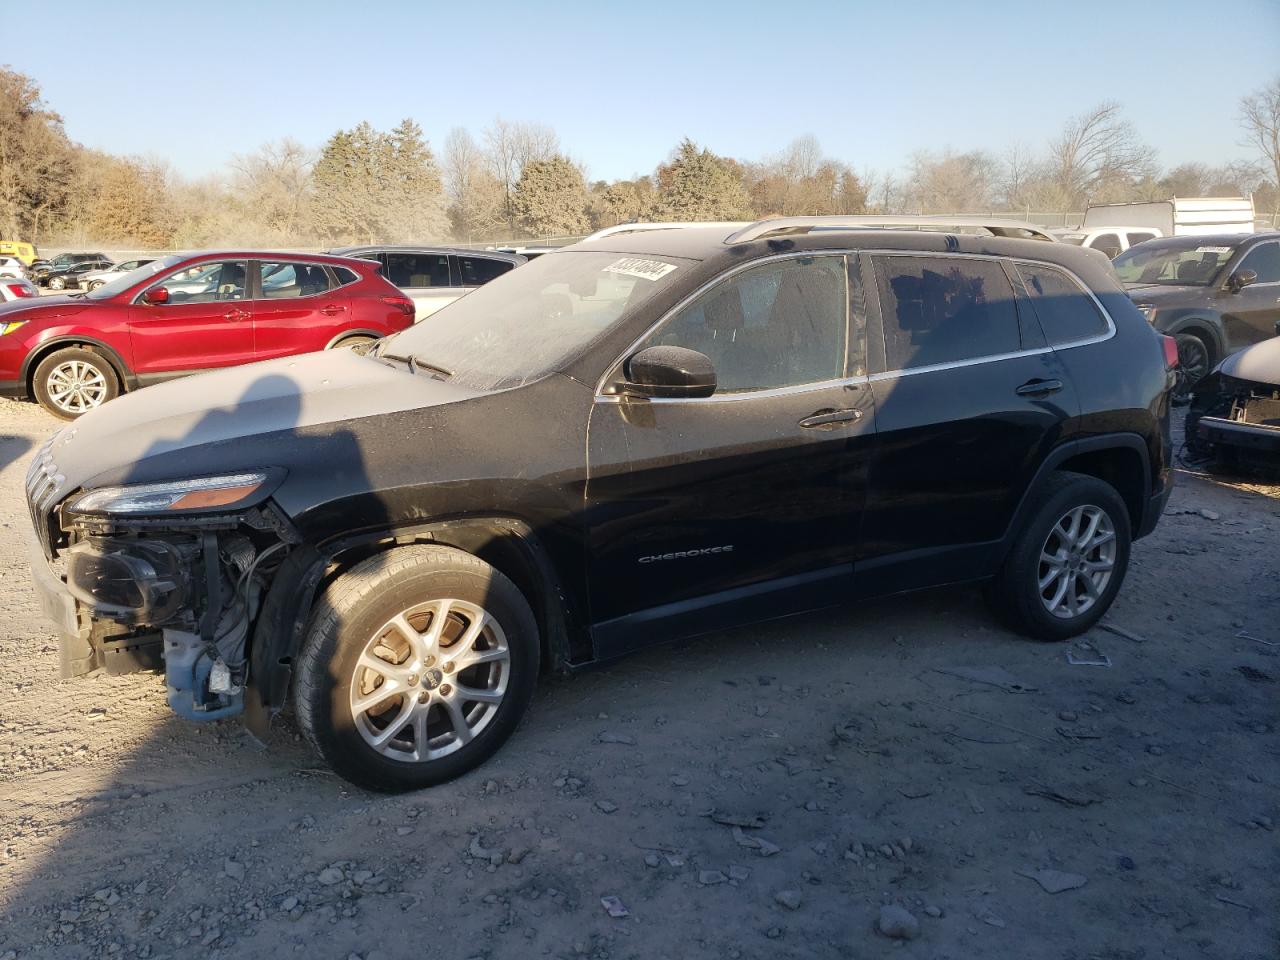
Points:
(623, 82)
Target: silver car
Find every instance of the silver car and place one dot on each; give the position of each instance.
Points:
(16, 288)
(434, 277)
(97, 278)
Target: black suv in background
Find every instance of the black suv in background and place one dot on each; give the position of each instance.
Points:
(1213, 294)
(60, 272)
(638, 438)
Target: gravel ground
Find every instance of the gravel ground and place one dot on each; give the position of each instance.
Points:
(787, 790)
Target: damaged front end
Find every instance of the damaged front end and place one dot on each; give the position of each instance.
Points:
(159, 576)
(1236, 421)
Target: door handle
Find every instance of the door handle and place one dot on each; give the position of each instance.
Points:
(234, 314)
(332, 310)
(1039, 388)
(825, 418)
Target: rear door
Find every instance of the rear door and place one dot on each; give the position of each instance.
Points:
(297, 308)
(208, 321)
(426, 277)
(475, 271)
(968, 399)
(1251, 314)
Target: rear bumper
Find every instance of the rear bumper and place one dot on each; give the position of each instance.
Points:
(1154, 510)
(1232, 433)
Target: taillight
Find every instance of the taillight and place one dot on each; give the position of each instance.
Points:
(1170, 352)
(19, 290)
(403, 304)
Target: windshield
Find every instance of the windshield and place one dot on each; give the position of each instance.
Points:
(1181, 264)
(523, 324)
(123, 283)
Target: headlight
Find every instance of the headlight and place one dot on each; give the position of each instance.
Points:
(1148, 310)
(202, 494)
(11, 326)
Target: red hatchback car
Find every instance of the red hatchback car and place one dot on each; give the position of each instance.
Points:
(187, 313)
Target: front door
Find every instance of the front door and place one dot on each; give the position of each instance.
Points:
(968, 399)
(1251, 314)
(207, 321)
(742, 505)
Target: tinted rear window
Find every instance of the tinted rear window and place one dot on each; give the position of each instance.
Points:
(945, 309)
(478, 270)
(1065, 311)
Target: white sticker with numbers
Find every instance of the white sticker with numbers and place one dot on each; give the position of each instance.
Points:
(644, 269)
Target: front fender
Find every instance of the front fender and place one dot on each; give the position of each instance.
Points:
(50, 338)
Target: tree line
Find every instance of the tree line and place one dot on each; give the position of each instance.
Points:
(515, 179)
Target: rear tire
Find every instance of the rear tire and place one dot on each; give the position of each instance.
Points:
(382, 681)
(1068, 561)
(71, 382)
(353, 343)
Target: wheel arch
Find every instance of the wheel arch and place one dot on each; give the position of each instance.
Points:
(1207, 328)
(55, 344)
(509, 545)
(357, 332)
(1121, 460)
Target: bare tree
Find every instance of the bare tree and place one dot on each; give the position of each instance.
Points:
(474, 194)
(509, 146)
(1094, 148)
(952, 182)
(1260, 117)
(274, 184)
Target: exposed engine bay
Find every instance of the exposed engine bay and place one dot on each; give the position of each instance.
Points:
(1235, 411)
(178, 597)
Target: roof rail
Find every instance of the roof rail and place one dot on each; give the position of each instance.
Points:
(641, 227)
(781, 226)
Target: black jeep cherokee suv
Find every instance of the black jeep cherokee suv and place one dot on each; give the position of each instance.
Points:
(638, 438)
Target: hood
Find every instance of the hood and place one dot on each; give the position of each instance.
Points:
(1259, 363)
(136, 436)
(45, 308)
(1158, 293)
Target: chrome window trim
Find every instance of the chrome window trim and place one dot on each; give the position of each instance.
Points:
(1071, 275)
(992, 358)
(615, 366)
(137, 299)
(772, 392)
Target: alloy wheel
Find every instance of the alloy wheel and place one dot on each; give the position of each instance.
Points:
(57, 283)
(1193, 364)
(430, 680)
(1077, 561)
(76, 386)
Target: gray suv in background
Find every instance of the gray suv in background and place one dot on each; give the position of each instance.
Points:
(434, 277)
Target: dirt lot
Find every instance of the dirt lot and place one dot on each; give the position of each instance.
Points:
(863, 769)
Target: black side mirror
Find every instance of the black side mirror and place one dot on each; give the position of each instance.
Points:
(1241, 279)
(670, 372)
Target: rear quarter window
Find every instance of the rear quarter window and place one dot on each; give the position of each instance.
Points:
(1066, 312)
(945, 310)
(480, 270)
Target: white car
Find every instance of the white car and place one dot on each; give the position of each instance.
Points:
(1112, 241)
(96, 278)
(434, 277)
(11, 267)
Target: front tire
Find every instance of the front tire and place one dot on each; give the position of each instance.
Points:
(1195, 360)
(57, 283)
(418, 664)
(1068, 561)
(71, 382)
(94, 285)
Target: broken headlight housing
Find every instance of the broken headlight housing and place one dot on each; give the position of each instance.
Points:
(203, 493)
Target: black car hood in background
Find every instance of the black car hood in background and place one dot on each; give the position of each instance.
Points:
(144, 436)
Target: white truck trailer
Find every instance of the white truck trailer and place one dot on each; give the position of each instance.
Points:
(1178, 217)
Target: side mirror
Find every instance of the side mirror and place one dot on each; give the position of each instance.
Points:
(1241, 279)
(672, 372)
(156, 296)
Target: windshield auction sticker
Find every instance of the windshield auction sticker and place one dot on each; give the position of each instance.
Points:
(644, 269)
(1213, 249)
